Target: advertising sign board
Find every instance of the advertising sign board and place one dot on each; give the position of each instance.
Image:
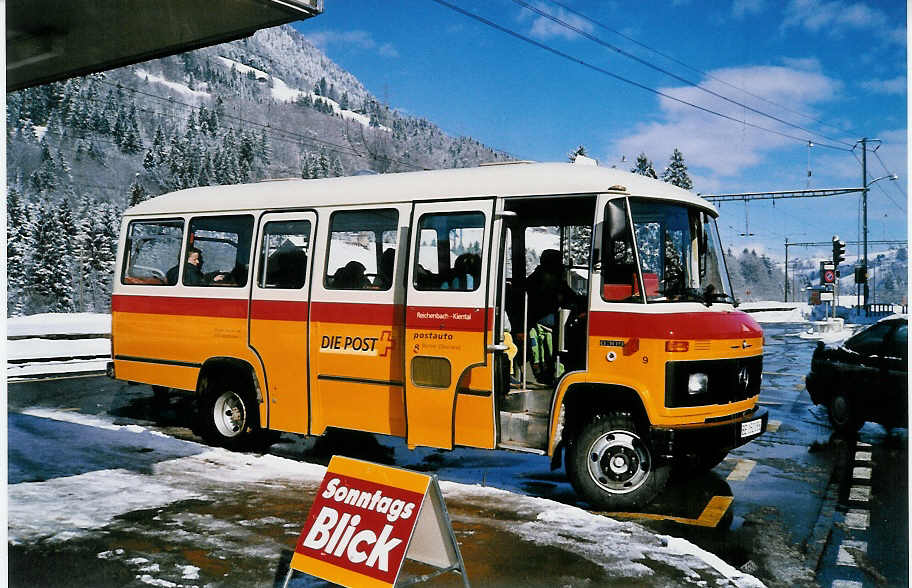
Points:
(367, 518)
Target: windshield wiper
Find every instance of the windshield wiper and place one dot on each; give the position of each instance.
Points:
(722, 297)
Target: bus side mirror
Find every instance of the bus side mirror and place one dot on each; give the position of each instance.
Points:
(616, 215)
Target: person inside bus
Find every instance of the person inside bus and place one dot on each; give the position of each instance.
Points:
(385, 273)
(548, 291)
(193, 271)
(351, 277)
(466, 271)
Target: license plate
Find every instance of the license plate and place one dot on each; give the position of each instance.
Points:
(751, 428)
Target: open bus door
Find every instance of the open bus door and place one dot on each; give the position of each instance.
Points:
(448, 325)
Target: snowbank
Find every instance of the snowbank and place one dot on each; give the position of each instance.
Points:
(36, 325)
(770, 311)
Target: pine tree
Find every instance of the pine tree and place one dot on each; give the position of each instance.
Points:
(576, 152)
(644, 167)
(17, 249)
(137, 194)
(51, 279)
(323, 164)
(676, 172)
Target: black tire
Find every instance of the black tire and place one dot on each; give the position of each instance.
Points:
(611, 464)
(843, 414)
(228, 417)
(161, 394)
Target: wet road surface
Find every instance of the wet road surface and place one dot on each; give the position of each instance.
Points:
(785, 508)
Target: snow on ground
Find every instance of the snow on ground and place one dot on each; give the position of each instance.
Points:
(31, 342)
(81, 323)
(770, 311)
(43, 348)
(69, 506)
(16, 372)
(177, 87)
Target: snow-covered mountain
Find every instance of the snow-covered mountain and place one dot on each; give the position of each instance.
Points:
(268, 106)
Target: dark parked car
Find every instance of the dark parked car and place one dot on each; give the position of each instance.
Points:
(865, 378)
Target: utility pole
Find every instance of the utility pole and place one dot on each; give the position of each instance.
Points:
(786, 269)
(864, 213)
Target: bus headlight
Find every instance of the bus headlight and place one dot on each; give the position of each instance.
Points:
(697, 384)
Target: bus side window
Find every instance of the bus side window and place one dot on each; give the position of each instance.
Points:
(283, 258)
(450, 251)
(222, 245)
(153, 249)
(362, 249)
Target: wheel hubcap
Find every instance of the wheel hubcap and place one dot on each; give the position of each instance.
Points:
(229, 414)
(619, 462)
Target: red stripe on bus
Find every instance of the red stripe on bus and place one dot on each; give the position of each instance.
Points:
(681, 325)
(278, 310)
(356, 312)
(447, 319)
(181, 306)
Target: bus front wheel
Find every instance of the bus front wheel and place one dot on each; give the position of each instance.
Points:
(612, 466)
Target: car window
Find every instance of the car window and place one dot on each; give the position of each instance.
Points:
(899, 342)
(869, 341)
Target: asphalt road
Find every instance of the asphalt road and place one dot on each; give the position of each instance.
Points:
(788, 508)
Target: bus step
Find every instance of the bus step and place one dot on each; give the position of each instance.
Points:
(524, 429)
(532, 401)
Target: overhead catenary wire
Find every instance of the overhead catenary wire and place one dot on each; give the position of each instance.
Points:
(692, 68)
(620, 78)
(593, 38)
(884, 166)
(890, 198)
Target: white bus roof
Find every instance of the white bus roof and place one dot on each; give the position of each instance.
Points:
(487, 181)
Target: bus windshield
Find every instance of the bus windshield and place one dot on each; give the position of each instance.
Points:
(680, 253)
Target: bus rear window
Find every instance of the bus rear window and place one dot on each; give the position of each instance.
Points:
(153, 247)
(218, 251)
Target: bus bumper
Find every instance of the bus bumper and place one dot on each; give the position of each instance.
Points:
(713, 437)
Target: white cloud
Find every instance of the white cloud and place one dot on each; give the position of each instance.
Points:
(839, 17)
(543, 28)
(745, 8)
(895, 85)
(720, 146)
(357, 39)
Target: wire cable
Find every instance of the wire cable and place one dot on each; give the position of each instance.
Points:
(613, 75)
(694, 69)
(681, 79)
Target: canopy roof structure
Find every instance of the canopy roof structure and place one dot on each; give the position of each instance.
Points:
(51, 40)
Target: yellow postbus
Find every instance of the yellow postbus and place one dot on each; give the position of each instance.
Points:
(566, 310)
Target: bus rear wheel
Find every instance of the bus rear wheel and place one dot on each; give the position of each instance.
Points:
(229, 418)
(612, 466)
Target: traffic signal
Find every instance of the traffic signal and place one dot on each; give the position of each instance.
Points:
(861, 274)
(838, 250)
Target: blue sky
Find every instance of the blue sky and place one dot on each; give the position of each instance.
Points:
(835, 68)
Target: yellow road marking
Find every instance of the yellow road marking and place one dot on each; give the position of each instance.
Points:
(710, 517)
